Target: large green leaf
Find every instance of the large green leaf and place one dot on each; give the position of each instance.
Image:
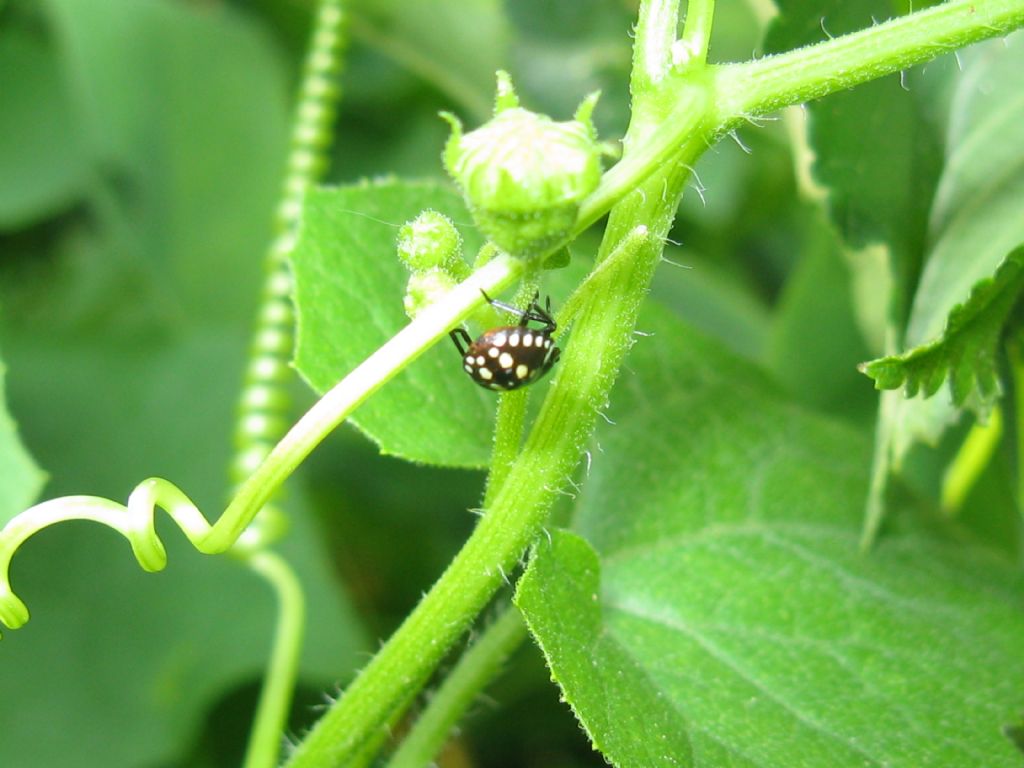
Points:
(621, 704)
(726, 615)
(349, 286)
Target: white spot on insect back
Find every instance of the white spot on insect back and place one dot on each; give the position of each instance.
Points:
(468, 368)
(528, 340)
(538, 341)
(513, 340)
(493, 352)
(485, 374)
(547, 343)
(479, 359)
(505, 361)
(499, 339)
(522, 371)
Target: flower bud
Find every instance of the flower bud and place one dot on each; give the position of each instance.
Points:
(431, 240)
(424, 288)
(523, 174)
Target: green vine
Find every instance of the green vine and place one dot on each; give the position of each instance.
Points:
(681, 106)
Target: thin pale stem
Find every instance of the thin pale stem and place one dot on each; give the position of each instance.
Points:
(970, 462)
(369, 376)
(264, 748)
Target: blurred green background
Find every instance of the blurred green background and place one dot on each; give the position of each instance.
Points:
(141, 147)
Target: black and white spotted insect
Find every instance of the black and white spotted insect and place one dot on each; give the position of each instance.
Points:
(510, 356)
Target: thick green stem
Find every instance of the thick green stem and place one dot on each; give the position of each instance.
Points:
(757, 87)
(743, 91)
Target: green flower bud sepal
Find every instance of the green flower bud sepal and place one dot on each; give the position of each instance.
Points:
(524, 175)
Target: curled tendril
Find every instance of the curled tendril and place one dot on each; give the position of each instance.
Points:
(135, 522)
(233, 530)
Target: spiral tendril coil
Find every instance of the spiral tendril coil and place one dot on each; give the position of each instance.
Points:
(134, 521)
(262, 416)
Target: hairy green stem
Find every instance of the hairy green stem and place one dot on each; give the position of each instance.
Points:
(744, 91)
(508, 436)
(479, 665)
(765, 85)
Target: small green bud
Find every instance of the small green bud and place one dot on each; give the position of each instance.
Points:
(523, 174)
(430, 240)
(424, 288)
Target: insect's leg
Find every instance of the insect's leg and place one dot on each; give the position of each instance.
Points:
(502, 305)
(544, 315)
(458, 335)
(532, 312)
